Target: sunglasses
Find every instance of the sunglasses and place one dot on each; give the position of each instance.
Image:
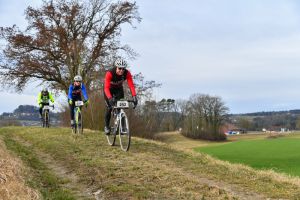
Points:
(121, 68)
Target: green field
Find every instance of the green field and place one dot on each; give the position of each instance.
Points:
(279, 154)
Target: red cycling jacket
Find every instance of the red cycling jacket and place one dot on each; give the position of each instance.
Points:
(113, 80)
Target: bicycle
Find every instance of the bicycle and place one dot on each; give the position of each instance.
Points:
(78, 126)
(120, 125)
(46, 116)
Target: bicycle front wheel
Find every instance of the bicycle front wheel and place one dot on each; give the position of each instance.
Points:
(47, 120)
(43, 121)
(124, 133)
(80, 123)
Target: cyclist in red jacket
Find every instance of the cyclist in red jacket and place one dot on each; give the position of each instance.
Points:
(113, 88)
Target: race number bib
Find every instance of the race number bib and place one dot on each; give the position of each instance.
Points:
(78, 103)
(122, 104)
(46, 107)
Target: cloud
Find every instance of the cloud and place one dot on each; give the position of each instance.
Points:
(244, 51)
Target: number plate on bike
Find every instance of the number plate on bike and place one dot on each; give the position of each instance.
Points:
(78, 103)
(46, 107)
(122, 104)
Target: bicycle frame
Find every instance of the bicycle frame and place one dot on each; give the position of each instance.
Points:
(120, 125)
(46, 116)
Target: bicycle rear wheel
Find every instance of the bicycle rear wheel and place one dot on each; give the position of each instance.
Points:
(124, 133)
(111, 137)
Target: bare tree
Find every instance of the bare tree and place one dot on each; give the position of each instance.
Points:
(144, 88)
(204, 117)
(244, 123)
(180, 107)
(65, 38)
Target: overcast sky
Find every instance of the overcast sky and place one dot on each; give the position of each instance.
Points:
(247, 52)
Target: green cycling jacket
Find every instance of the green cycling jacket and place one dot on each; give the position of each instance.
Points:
(45, 98)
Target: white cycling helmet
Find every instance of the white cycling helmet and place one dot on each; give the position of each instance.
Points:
(44, 89)
(120, 63)
(78, 78)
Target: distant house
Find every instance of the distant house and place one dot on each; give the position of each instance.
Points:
(284, 130)
(231, 129)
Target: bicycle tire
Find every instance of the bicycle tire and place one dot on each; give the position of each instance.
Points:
(80, 123)
(75, 129)
(111, 138)
(124, 132)
(47, 120)
(44, 119)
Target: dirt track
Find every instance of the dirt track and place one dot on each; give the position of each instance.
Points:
(12, 184)
(156, 170)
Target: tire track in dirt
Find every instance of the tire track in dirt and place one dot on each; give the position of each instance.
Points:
(232, 189)
(12, 183)
(84, 191)
(71, 179)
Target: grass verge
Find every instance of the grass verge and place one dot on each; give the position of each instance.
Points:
(41, 177)
(152, 170)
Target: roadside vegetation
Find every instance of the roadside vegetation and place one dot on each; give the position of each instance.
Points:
(86, 167)
(41, 176)
(12, 184)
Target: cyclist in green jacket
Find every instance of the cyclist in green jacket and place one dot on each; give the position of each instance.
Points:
(43, 99)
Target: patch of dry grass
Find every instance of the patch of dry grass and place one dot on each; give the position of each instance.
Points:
(12, 183)
(154, 170)
(274, 135)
